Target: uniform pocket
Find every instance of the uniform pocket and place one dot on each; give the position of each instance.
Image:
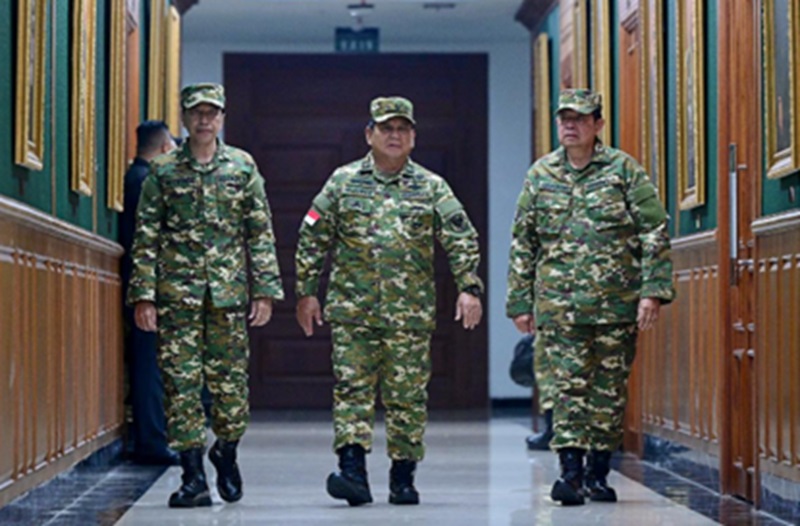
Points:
(606, 208)
(416, 222)
(230, 196)
(180, 205)
(552, 211)
(355, 216)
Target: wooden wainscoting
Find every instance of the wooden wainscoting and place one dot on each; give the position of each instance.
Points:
(61, 370)
(778, 339)
(678, 361)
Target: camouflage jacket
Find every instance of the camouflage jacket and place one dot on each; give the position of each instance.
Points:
(195, 224)
(381, 229)
(586, 245)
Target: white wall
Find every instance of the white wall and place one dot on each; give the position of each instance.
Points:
(509, 157)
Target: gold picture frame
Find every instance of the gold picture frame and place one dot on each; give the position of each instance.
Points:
(29, 118)
(541, 96)
(580, 75)
(173, 71)
(691, 105)
(601, 61)
(117, 106)
(84, 31)
(156, 57)
(654, 154)
(573, 47)
(781, 79)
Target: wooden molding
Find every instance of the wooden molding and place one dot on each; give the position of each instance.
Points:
(777, 223)
(532, 12)
(695, 240)
(17, 212)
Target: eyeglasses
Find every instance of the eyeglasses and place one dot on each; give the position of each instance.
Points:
(210, 115)
(388, 129)
(577, 118)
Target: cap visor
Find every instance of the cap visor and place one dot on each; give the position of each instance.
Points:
(390, 116)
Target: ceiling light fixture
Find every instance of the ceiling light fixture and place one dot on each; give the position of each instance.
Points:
(361, 8)
(438, 6)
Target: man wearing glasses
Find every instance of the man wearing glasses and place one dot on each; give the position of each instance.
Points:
(589, 267)
(203, 210)
(379, 215)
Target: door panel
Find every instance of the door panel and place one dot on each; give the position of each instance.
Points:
(739, 69)
(301, 116)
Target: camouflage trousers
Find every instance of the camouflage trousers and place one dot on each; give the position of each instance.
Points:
(398, 361)
(590, 365)
(196, 346)
(544, 379)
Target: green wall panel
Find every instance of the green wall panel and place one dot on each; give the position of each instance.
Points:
(6, 100)
(28, 186)
(777, 194)
(106, 218)
(703, 217)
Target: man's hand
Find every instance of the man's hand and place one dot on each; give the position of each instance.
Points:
(469, 310)
(260, 312)
(647, 313)
(525, 323)
(308, 312)
(145, 316)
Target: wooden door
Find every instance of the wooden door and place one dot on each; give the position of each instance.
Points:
(630, 133)
(301, 116)
(739, 155)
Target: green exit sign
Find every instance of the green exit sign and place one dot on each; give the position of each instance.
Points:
(357, 41)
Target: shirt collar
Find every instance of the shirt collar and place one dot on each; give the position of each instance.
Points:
(222, 154)
(368, 166)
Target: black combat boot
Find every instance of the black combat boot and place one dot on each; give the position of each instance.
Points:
(229, 480)
(351, 482)
(194, 490)
(401, 482)
(598, 465)
(541, 441)
(568, 490)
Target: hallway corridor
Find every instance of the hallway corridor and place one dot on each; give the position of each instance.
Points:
(475, 473)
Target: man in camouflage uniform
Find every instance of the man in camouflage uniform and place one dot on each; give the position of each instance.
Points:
(203, 208)
(380, 216)
(589, 267)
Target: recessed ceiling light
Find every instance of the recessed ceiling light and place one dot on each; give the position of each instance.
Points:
(437, 6)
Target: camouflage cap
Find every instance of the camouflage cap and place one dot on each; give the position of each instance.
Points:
(583, 101)
(206, 92)
(384, 108)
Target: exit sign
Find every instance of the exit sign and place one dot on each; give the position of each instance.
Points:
(357, 41)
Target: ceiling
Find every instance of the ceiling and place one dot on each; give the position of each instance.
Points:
(309, 22)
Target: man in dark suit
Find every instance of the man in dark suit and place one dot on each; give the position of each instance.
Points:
(148, 430)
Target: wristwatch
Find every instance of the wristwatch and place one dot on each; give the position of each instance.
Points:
(474, 290)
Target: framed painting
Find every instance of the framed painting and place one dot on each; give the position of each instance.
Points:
(29, 116)
(173, 72)
(580, 33)
(117, 106)
(574, 49)
(653, 129)
(691, 105)
(83, 129)
(157, 62)
(541, 96)
(601, 60)
(781, 84)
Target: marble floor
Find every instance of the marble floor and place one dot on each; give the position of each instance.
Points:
(475, 473)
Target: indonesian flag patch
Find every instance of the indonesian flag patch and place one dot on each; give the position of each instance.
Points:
(311, 217)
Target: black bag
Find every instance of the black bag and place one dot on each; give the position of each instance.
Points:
(521, 369)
